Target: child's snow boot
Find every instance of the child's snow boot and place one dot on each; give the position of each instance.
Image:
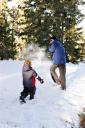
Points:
(31, 97)
(22, 100)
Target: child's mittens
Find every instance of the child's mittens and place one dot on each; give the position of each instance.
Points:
(41, 81)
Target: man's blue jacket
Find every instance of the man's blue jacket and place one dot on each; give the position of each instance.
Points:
(58, 51)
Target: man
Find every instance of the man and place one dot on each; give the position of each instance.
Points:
(59, 61)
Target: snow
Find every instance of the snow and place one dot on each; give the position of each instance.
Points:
(51, 108)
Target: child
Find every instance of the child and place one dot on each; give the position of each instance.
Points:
(29, 79)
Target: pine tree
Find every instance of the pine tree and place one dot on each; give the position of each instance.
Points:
(53, 17)
(7, 44)
(72, 34)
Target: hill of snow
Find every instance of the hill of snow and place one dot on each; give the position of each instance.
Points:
(51, 108)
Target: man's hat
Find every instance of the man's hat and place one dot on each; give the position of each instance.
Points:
(53, 37)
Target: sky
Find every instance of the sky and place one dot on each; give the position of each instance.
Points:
(82, 8)
(14, 3)
(51, 107)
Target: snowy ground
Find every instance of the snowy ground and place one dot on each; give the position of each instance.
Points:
(51, 108)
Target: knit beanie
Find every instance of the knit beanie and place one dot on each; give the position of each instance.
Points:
(53, 37)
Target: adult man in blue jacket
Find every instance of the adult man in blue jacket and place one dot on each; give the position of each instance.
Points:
(59, 61)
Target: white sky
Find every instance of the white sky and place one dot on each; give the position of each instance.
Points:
(82, 8)
(14, 3)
